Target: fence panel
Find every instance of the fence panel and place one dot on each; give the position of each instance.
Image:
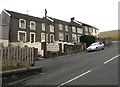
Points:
(16, 56)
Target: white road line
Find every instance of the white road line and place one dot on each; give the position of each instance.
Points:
(111, 59)
(85, 72)
(74, 78)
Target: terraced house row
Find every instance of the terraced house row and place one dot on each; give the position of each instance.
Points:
(25, 30)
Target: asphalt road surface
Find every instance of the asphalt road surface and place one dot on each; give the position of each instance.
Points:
(85, 68)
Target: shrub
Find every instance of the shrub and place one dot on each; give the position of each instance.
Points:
(88, 39)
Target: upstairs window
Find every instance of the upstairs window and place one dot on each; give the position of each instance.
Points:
(86, 28)
(60, 27)
(80, 30)
(73, 29)
(32, 25)
(97, 31)
(51, 28)
(22, 36)
(22, 23)
(90, 29)
(43, 26)
(66, 28)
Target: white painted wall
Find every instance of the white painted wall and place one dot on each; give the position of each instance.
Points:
(36, 45)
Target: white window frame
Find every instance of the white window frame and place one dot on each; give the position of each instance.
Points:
(60, 27)
(97, 31)
(51, 28)
(34, 36)
(66, 28)
(79, 30)
(86, 28)
(31, 25)
(43, 26)
(24, 27)
(90, 30)
(74, 29)
(42, 40)
(74, 35)
(46, 37)
(60, 33)
(19, 35)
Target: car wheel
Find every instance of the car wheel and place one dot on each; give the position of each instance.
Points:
(102, 48)
(97, 49)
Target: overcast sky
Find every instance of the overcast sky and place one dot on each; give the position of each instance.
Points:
(102, 14)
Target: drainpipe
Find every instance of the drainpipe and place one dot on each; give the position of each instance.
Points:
(45, 34)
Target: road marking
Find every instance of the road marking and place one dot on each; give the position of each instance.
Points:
(85, 72)
(74, 78)
(111, 59)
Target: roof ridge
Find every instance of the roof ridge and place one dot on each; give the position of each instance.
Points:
(21, 14)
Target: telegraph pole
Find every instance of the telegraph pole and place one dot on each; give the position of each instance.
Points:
(45, 45)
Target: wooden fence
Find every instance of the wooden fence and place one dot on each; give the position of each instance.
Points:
(16, 56)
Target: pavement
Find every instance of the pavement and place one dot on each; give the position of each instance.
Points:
(86, 68)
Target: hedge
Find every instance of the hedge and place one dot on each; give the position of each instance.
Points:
(88, 39)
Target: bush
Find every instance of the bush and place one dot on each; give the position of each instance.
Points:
(88, 39)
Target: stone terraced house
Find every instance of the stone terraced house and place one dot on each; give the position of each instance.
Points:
(24, 30)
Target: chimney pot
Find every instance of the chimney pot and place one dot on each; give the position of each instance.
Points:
(72, 18)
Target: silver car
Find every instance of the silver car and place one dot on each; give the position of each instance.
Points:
(96, 46)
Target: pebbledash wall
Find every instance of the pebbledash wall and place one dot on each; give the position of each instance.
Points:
(24, 30)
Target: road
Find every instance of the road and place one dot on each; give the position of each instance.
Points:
(85, 68)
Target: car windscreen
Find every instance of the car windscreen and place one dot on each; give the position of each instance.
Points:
(94, 44)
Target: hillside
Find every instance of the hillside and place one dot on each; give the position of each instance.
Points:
(114, 34)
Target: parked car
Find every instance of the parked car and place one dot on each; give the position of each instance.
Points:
(96, 46)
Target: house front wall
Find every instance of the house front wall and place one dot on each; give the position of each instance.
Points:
(56, 32)
(95, 32)
(14, 28)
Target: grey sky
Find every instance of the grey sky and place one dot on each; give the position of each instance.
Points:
(102, 14)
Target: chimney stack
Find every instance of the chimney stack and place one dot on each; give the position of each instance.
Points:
(45, 12)
(72, 18)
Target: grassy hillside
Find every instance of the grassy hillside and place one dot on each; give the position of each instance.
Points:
(114, 34)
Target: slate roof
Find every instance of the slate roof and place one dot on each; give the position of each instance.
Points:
(89, 25)
(48, 21)
(24, 16)
(59, 21)
(84, 24)
(44, 20)
(72, 23)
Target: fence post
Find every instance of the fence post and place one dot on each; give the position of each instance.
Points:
(17, 57)
(1, 56)
(33, 56)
